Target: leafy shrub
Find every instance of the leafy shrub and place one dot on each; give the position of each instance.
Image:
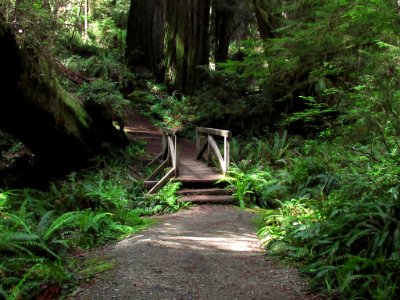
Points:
(166, 200)
(106, 94)
(247, 184)
(268, 171)
(29, 256)
(39, 228)
(346, 235)
(106, 66)
(163, 109)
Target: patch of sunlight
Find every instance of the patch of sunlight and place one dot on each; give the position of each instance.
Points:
(116, 125)
(259, 49)
(212, 66)
(135, 130)
(129, 129)
(237, 244)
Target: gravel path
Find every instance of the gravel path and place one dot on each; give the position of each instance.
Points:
(205, 252)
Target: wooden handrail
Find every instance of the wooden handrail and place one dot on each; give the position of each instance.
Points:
(169, 155)
(213, 131)
(209, 143)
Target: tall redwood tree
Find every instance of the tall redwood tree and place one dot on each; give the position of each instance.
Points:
(145, 34)
(224, 19)
(187, 43)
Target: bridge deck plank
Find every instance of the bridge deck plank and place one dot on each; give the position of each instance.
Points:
(194, 170)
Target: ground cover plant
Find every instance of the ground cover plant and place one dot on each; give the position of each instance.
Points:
(332, 212)
(40, 230)
(330, 186)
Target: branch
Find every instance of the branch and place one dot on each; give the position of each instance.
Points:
(370, 155)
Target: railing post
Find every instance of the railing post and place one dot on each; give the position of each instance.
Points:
(209, 133)
(226, 154)
(177, 155)
(170, 154)
(208, 150)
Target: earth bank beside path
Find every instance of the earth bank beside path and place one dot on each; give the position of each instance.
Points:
(205, 252)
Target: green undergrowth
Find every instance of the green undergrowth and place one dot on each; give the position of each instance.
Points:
(40, 230)
(163, 109)
(103, 80)
(165, 201)
(333, 194)
(332, 211)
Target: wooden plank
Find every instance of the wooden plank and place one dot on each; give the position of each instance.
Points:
(158, 170)
(163, 154)
(163, 181)
(159, 156)
(172, 151)
(219, 132)
(169, 131)
(177, 156)
(207, 199)
(200, 178)
(226, 155)
(186, 168)
(214, 146)
(205, 191)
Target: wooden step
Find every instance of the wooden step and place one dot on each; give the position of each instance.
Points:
(199, 177)
(202, 199)
(195, 183)
(206, 191)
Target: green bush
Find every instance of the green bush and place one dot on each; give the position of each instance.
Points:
(165, 201)
(345, 229)
(39, 228)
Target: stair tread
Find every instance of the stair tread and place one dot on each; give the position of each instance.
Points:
(205, 191)
(200, 178)
(208, 199)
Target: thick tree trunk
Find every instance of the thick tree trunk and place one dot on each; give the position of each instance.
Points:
(187, 43)
(266, 21)
(145, 34)
(224, 18)
(58, 129)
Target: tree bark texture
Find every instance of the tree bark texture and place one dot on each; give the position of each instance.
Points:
(224, 18)
(187, 43)
(145, 34)
(266, 20)
(57, 128)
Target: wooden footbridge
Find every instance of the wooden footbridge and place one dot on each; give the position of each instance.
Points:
(198, 167)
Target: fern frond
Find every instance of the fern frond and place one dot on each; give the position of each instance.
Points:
(45, 221)
(65, 220)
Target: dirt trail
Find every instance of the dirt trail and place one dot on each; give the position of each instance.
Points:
(205, 252)
(139, 128)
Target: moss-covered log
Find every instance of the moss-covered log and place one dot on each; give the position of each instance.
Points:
(59, 130)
